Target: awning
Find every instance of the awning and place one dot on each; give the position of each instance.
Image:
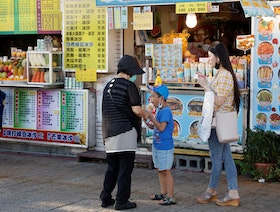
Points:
(252, 8)
(255, 8)
(119, 3)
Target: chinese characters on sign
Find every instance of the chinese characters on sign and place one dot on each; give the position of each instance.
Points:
(84, 38)
(45, 115)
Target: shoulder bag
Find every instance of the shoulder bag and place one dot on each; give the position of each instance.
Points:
(227, 126)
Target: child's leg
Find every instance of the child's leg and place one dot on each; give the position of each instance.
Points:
(162, 182)
(166, 182)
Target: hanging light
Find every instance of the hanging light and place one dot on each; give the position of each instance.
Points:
(191, 20)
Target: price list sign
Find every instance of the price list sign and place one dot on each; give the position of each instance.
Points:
(73, 111)
(8, 112)
(49, 16)
(48, 110)
(25, 109)
(193, 7)
(84, 37)
(7, 16)
(26, 17)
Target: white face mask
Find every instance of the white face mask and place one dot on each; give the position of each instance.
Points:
(133, 78)
(205, 47)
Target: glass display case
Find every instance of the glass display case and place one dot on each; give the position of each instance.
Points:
(44, 67)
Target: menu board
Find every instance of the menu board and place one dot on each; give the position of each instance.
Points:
(73, 115)
(8, 112)
(25, 109)
(30, 17)
(53, 116)
(49, 17)
(26, 20)
(7, 16)
(187, 111)
(265, 74)
(48, 110)
(85, 35)
(165, 59)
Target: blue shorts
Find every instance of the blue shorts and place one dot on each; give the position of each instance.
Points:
(163, 159)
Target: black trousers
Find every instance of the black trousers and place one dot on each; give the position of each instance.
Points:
(120, 167)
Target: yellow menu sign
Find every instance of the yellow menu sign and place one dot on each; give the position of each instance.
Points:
(193, 7)
(50, 16)
(7, 15)
(27, 15)
(84, 41)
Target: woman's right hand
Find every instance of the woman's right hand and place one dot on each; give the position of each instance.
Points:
(202, 81)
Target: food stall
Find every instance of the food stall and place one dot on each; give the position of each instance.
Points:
(170, 49)
(48, 103)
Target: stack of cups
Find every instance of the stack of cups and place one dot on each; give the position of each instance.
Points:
(187, 72)
(193, 71)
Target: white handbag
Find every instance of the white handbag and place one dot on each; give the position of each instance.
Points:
(227, 126)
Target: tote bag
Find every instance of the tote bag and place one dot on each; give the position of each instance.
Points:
(227, 126)
(204, 125)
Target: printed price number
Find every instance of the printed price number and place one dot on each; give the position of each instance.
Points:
(194, 7)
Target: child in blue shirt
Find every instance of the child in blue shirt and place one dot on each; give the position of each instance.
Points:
(163, 145)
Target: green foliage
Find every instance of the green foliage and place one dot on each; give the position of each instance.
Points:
(261, 147)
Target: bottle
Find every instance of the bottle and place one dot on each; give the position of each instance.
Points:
(158, 80)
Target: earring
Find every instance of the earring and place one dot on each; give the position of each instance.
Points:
(217, 65)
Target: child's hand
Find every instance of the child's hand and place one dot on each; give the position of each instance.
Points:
(149, 123)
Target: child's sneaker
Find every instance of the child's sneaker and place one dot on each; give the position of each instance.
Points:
(167, 201)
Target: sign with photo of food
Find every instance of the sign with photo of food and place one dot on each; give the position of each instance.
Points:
(195, 107)
(265, 74)
(264, 98)
(265, 52)
(176, 105)
(261, 120)
(274, 120)
(177, 129)
(265, 29)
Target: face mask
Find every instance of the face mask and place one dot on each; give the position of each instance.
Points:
(206, 47)
(133, 78)
(160, 105)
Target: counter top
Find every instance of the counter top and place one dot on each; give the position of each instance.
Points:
(187, 87)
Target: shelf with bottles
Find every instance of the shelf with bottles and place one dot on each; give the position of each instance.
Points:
(44, 67)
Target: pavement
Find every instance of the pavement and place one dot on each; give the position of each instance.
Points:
(38, 183)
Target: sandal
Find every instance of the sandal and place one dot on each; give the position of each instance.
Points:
(157, 196)
(167, 201)
(228, 201)
(206, 197)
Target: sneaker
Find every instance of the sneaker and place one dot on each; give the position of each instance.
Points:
(127, 205)
(167, 201)
(107, 203)
(157, 196)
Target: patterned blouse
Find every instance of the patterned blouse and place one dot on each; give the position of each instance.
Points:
(223, 86)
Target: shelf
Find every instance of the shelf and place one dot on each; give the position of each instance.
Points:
(57, 67)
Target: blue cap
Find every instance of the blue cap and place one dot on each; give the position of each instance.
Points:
(162, 90)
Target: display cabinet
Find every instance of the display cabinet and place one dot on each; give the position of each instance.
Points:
(44, 67)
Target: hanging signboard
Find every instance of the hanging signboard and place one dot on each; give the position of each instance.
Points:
(49, 17)
(141, 2)
(142, 20)
(30, 17)
(193, 7)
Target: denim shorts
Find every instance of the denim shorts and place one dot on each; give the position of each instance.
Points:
(163, 159)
